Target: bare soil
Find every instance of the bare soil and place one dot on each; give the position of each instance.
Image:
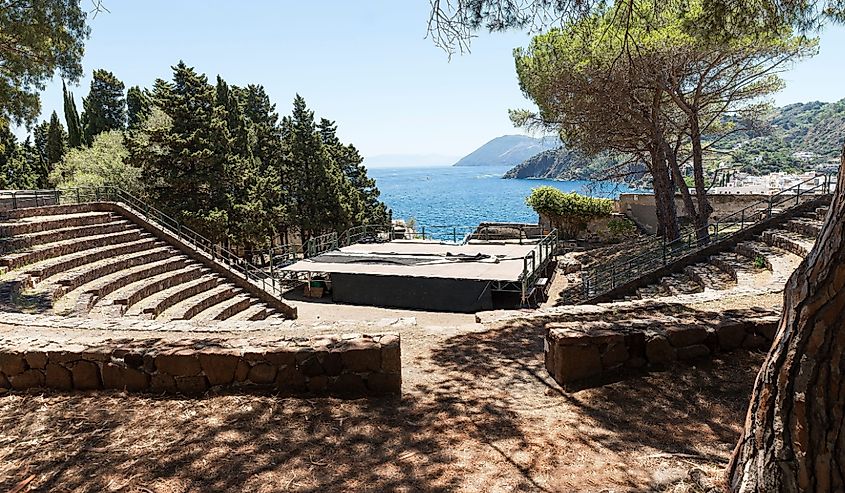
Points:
(478, 413)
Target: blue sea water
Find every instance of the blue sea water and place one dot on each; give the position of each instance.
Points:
(468, 195)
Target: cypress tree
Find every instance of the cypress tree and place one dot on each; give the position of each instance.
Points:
(137, 106)
(74, 127)
(105, 107)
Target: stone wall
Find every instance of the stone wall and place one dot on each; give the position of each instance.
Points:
(350, 365)
(578, 353)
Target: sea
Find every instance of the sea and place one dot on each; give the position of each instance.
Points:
(464, 196)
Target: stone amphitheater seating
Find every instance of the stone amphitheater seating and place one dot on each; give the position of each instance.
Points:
(768, 259)
(99, 260)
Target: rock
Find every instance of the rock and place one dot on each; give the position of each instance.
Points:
(754, 341)
(219, 368)
(120, 377)
(767, 329)
(573, 363)
(730, 335)
(360, 360)
(178, 365)
(85, 375)
(58, 377)
(692, 352)
(4, 382)
(28, 379)
(290, 380)
(332, 364)
(686, 336)
(280, 358)
(241, 370)
(133, 360)
(262, 373)
(36, 360)
(384, 383)
(635, 362)
(391, 357)
(348, 384)
(12, 364)
(162, 382)
(192, 385)
(658, 351)
(318, 384)
(614, 355)
(311, 367)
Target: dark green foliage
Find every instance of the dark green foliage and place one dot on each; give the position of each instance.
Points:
(39, 37)
(74, 127)
(105, 107)
(18, 162)
(56, 141)
(137, 106)
(568, 212)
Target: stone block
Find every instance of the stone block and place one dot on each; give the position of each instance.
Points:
(332, 364)
(754, 341)
(574, 363)
(635, 362)
(178, 365)
(162, 382)
(318, 383)
(692, 352)
(262, 373)
(730, 335)
(658, 350)
(58, 377)
(614, 355)
(120, 377)
(192, 384)
(348, 384)
(61, 357)
(361, 360)
(219, 368)
(686, 336)
(85, 375)
(4, 382)
(241, 370)
(391, 358)
(280, 358)
(311, 367)
(767, 329)
(36, 360)
(384, 383)
(134, 360)
(12, 363)
(290, 380)
(28, 379)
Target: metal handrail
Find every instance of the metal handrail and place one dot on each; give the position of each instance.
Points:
(228, 259)
(535, 261)
(604, 278)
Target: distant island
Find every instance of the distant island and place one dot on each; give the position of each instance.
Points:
(797, 137)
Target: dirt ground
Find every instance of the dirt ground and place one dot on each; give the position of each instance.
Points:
(478, 413)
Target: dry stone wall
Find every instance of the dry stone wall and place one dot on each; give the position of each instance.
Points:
(350, 365)
(578, 353)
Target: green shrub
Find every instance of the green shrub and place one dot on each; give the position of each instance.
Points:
(569, 212)
(620, 228)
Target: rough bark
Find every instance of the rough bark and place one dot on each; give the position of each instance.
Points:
(704, 208)
(794, 437)
(664, 196)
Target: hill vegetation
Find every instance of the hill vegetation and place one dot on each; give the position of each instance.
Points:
(508, 150)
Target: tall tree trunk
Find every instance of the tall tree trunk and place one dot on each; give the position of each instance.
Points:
(689, 204)
(794, 437)
(704, 208)
(664, 196)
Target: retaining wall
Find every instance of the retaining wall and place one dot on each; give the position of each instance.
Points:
(351, 365)
(578, 353)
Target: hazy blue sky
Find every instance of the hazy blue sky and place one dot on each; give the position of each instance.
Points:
(366, 65)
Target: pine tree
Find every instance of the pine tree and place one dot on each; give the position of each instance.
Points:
(184, 163)
(105, 107)
(137, 106)
(74, 127)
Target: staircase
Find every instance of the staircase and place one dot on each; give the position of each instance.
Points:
(758, 246)
(105, 259)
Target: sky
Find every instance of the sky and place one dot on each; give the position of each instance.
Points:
(366, 65)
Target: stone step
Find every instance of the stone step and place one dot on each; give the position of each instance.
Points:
(258, 311)
(789, 241)
(68, 281)
(57, 265)
(39, 253)
(225, 309)
(153, 306)
(37, 224)
(708, 276)
(124, 299)
(51, 210)
(20, 242)
(738, 267)
(809, 228)
(192, 306)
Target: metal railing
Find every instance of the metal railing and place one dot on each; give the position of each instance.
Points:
(234, 263)
(534, 263)
(658, 253)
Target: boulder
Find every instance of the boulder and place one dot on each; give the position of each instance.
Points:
(572, 363)
(178, 365)
(28, 379)
(730, 335)
(262, 373)
(219, 368)
(658, 350)
(12, 363)
(692, 352)
(58, 377)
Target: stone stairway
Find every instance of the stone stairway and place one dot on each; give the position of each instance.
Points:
(92, 261)
(767, 260)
